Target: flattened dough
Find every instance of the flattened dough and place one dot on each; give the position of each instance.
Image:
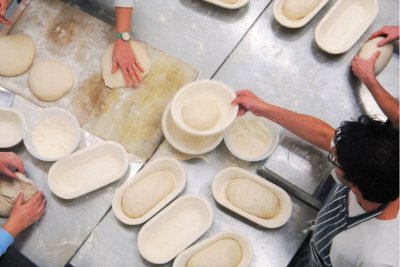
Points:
(116, 80)
(10, 189)
(370, 47)
(297, 9)
(252, 198)
(17, 52)
(146, 193)
(222, 253)
(201, 114)
(49, 80)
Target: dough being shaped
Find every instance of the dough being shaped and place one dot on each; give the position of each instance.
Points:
(201, 114)
(17, 52)
(370, 47)
(231, 2)
(146, 193)
(116, 79)
(252, 197)
(10, 189)
(222, 253)
(49, 80)
(297, 9)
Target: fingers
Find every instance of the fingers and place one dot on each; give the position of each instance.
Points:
(4, 21)
(19, 200)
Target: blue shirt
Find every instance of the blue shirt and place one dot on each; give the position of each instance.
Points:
(5, 240)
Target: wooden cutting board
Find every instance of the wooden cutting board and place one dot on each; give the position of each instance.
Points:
(130, 116)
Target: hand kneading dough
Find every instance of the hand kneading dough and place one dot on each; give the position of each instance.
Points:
(252, 198)
(116, 79)
(143, 195)
(49, 80)
(10, 189)
(297, 9)
(222, 253)
(370, 47)
(17, 52)
(201, 114)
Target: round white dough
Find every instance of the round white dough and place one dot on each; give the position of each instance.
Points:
(116, 79)
(10, 189)
(17, 52)
(49, 80)
(231, 2)
(146, 193)
(201, 114)
(370, 47)
(222, 253)
(297, 9)
(252, 197)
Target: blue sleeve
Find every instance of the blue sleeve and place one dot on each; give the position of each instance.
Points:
(5, 240)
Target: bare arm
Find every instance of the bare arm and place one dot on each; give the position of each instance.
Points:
(391, 34)
(309, 128)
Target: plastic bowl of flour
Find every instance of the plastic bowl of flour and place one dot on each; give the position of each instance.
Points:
(11, 127)
(252, 138)
(203, 108)
(52, 134)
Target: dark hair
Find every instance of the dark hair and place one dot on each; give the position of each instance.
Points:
(368, 152)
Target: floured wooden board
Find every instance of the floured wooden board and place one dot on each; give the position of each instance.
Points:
(129, 116)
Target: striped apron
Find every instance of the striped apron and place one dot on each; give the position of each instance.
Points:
(332, 219)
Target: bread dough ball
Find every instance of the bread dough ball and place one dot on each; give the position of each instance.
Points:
(116, 79)
(252, 197)
(297, 9)
(17, 52)
(146, 193)
(222, 253)
(370, 47)
(201, 114)
(49, 80)
(10, 189)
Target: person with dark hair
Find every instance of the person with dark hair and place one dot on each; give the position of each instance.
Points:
(359, 224)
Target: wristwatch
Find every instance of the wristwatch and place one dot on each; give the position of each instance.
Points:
(126, 36)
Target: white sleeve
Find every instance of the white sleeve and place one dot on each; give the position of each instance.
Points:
(124, 3)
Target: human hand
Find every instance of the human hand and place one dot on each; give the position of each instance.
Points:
(364, 69)
(391, 34)
(125, 59)
(248, 101)
(24, 215)
(3, 9)
(9, 159)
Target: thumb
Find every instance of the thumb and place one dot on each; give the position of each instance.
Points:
(20, 199)
(114, 66)
(375, 56)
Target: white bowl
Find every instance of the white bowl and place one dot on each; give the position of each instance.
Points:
(184, 142)
(61, 117)
(236, 5)
(344, 24)
(222, 179)
(174, 229)
(252, 138)
(244, 242)
(87, 170)
(215, 96)
(294, 23)
(11, 127)
(159, 164)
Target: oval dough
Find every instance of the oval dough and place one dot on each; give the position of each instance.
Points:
(49, 80)
(201, 114)
(17, 52)
(10, 189)
(222, 253)
(144, 194)
(370, 47)
(231, 2)
(297, 9)
(252, 198)
(116, 80)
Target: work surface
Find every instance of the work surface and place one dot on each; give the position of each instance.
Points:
(243, 48)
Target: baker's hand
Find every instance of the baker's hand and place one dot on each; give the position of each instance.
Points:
(364, 69)
(248, 101)
(125, 59)
(3, 9)
(24, 215)
(10, 160)
(391, 34)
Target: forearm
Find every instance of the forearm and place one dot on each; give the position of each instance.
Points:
(123, 19)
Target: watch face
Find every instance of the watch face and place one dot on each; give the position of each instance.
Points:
(126, 36)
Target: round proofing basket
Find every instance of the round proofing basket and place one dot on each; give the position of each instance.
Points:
(11, 127)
